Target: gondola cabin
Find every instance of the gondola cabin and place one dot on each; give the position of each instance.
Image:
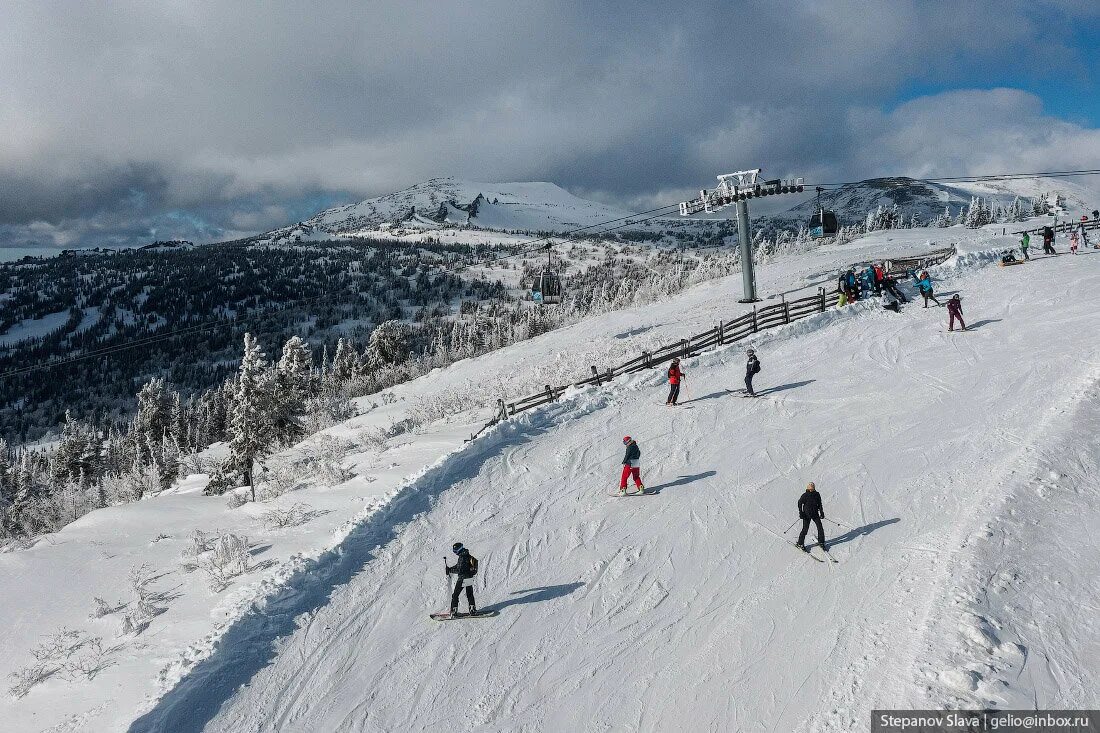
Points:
(546, 288)
(823, 224)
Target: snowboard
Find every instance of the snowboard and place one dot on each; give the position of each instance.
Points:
(447, 616)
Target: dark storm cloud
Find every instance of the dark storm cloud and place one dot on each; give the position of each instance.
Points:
(210, 119)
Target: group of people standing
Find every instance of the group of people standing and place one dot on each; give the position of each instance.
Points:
(860, 284)
(1078, 237)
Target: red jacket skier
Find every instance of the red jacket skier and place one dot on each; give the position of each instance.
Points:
(955, 310)
(631, 466)
(674, 377)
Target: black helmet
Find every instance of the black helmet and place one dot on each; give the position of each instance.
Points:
(457, 548)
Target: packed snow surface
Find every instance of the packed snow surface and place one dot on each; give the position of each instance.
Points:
(958, 465)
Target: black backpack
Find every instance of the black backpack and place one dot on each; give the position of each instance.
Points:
(473, 566)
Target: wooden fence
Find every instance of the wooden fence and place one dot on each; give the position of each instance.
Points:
(726, 332)
(1067, 226)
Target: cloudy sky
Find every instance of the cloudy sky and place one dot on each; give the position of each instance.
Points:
(123, 121)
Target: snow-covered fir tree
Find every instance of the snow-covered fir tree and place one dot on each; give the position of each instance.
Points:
(250, 433)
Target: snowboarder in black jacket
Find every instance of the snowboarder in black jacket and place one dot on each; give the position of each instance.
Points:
(751, 369)
(809, 508)
(463, 570)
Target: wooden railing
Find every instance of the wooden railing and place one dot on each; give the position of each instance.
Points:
(1067, 226)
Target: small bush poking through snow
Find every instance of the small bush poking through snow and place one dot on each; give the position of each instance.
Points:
(374, 439)
(236, 500)
(145, 606)
(227, 558)
(66, 653)
(279, 478)
(325, 459)
(197, 543)
(103, 608)
(282, 517)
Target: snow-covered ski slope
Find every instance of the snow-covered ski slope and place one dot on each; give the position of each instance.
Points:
(960, 461)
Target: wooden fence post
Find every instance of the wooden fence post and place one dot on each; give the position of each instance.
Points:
(754, 326)
(822, 293)
(596, 374)
(721, 334)
(503, 414)
(684, 347)
(646, 362)
(786, 309)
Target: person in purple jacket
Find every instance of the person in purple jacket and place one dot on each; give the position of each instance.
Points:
(955, 310)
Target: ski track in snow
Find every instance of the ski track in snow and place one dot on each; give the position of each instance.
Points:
(676, 611)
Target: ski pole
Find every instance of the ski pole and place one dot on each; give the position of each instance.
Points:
(788, 529)
(839, 524)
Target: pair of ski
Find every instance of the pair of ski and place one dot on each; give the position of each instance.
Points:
(633, 493)
(806, 551)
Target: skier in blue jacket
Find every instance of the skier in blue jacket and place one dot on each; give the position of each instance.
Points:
(924, 286)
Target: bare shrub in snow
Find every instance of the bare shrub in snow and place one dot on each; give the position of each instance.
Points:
(277, 478)
(66, 653)
(327, 408)
(25, 678)
(103, 608)
(282, 517)
(227, 559)
(146, 603)
(374, 439)
(236, 500)
(197, 543)
(324, 459)
(430, 408)
(192, 462)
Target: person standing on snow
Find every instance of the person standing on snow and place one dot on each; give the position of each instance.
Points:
(955, 310)
(924, 285)
(842, 289)
(674, 377)
(463, 570)
(1048, 241)
(1025, 243)
(631, 466)
(1073, 242)
(867, 277)
(880, 278)
(752, 368)
(853, 285)
(810, 509)
(891, 285)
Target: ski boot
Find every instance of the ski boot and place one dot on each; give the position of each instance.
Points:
(801, 547)
(641, 489)
(454, 612)
(473, 610)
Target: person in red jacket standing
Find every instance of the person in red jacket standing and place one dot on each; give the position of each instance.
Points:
(674, 377)
(955, 310)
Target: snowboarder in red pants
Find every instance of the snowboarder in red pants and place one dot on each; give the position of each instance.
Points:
(674, 377)
(955, 310)
(631, 462)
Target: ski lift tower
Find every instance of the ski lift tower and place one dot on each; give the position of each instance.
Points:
(738, 188)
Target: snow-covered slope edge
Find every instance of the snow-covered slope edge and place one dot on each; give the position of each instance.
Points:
(1012, 643)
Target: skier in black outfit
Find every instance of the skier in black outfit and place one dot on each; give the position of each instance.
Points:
(463, 570)
(751, 368)
(809, 508)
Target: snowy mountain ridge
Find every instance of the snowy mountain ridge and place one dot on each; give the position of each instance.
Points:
(449, 203)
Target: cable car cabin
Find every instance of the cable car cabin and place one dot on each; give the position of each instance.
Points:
(823, 224)
(546, 288)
